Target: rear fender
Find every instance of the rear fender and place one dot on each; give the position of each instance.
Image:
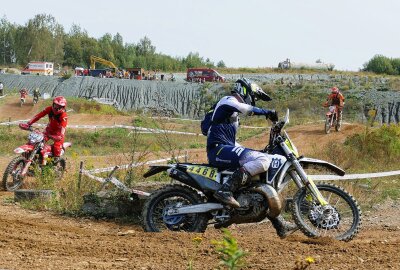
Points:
(155, 169)
(67, 144)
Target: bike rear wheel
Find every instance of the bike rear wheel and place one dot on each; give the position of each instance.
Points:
(338, 125)
(155, 218)
(340, 219)
(12, 178)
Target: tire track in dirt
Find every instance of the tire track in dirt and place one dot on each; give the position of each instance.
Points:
(40, 240)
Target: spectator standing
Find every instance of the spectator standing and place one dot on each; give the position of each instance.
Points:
(1, 89)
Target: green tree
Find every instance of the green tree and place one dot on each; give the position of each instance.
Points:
(144, 47)
(396, 65)
(7, 42)
(380, 64)
(119, 50)
(221, 64)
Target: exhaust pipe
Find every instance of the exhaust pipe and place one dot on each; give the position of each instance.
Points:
(274, 202)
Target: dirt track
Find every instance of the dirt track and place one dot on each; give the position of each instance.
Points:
(42, 240)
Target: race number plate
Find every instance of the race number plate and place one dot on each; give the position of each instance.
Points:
(208, 172)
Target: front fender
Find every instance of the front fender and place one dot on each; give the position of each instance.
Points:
(23, 148)
(305, 161)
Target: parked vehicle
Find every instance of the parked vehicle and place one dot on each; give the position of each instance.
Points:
(33, 157)
(317, 209)
(332, 119)
(203, 75)
(104, 62)
(39, 68)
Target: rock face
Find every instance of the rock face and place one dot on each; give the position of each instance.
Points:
(191, 99)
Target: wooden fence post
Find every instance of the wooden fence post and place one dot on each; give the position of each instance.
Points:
(80, 175)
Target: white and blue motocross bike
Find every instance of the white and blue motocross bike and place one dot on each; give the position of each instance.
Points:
(319, 210)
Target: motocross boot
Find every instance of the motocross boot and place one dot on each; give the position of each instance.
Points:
(339, 122)
(282, 227)
(225, 193)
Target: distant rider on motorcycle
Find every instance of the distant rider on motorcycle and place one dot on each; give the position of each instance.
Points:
(223, 151)
(36, 93)
(57, 125)
(23, 92)
(336, 98)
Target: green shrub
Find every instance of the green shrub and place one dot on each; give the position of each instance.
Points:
(382, 144)
(381, 65)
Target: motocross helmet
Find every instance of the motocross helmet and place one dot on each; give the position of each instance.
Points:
(249, 92)
(242, 87)
(334, 90)
(59, 104)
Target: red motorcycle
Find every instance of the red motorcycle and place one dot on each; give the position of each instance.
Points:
(332, 119)
(23, 93)
(33, 157)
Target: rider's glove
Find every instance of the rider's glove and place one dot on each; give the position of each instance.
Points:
(272, 115)
(24, 126)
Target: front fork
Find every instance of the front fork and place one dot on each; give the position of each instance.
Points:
(304, 179)
(29, 162)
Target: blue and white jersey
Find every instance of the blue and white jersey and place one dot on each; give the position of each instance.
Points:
(225, 121)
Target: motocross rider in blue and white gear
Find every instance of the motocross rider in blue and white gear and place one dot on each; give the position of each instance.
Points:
(224, 152)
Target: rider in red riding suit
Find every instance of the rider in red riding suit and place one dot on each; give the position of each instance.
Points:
(23, 92)
(336, 98)
(55, 130)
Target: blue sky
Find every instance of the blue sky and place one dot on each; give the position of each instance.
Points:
(251, 33)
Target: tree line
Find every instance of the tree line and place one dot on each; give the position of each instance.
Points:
(42, 38)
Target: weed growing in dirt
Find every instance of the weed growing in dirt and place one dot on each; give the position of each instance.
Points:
(302, 264)
(197, 242)
(230, 254)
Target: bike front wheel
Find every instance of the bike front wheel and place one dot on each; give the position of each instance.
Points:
(12, 178)
(327, 125)
(339, 219)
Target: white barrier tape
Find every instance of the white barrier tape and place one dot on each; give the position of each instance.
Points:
(109, 169)
(16, 122)
(354, 176)
(175, 118)
(140, 129)
(253, 127)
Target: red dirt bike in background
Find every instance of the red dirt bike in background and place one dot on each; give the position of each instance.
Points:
(332, 119)
(22, 97)
(33, 157)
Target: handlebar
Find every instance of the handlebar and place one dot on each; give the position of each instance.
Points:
(25, 126)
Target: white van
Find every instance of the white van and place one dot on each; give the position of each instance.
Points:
(39, 68)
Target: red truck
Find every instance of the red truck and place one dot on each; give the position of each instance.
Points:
(203, 75)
